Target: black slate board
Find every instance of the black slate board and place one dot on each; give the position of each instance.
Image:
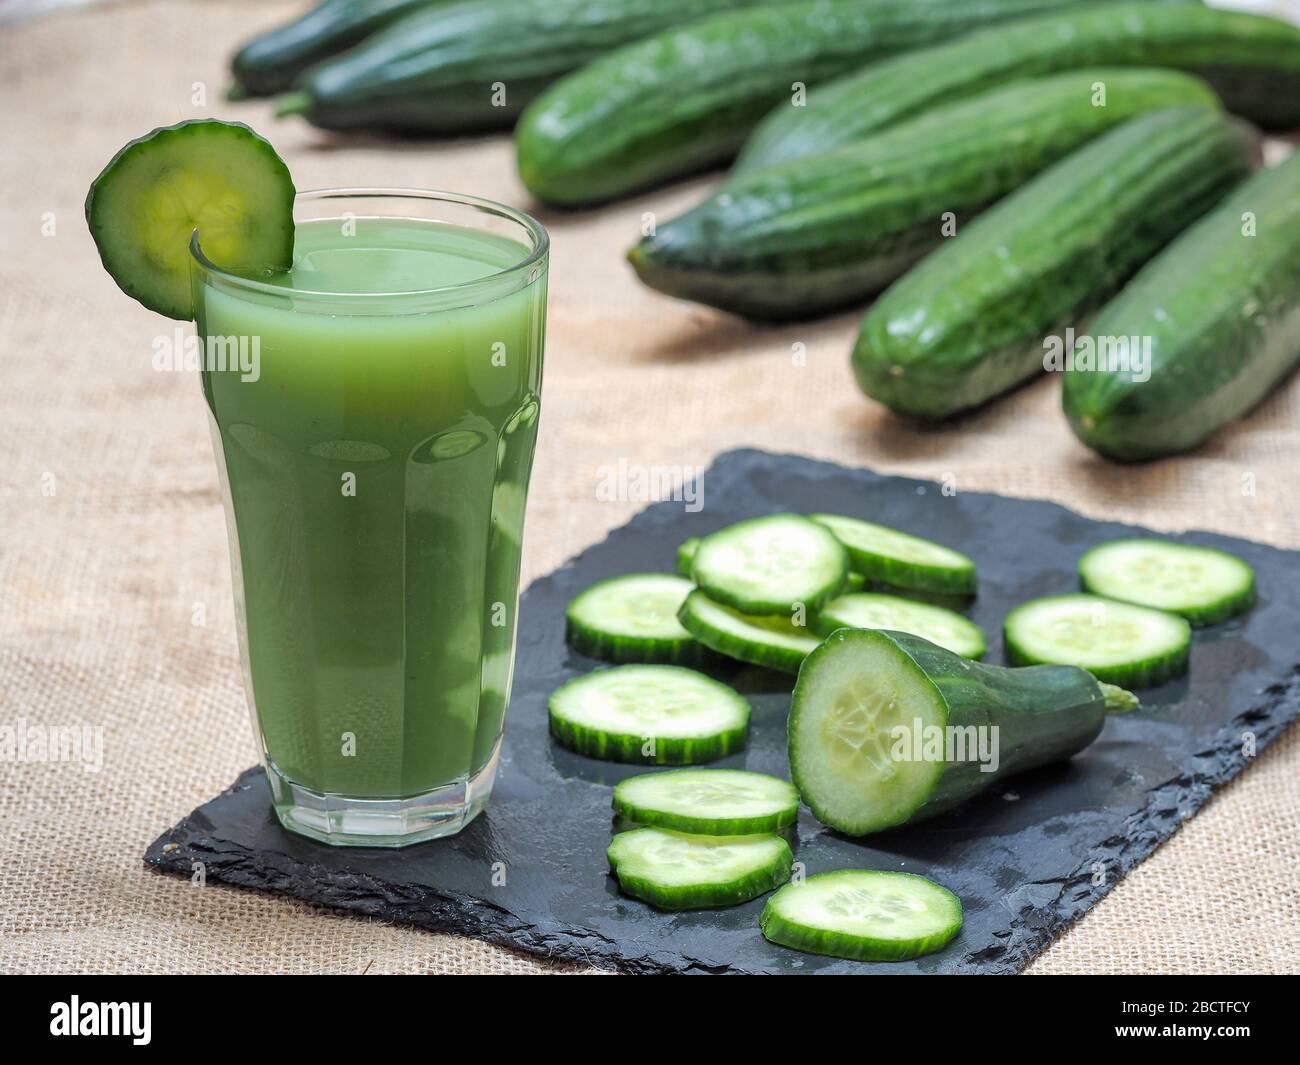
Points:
(1026, 860)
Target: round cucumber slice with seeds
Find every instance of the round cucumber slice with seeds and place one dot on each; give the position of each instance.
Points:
(219, 178)
(676, 871)
(771, 565)
(774, 642)
(1133, 646)
(654, 715)
(712, 802)
(1202, 584)
(899, 559)
(633, 619)
(874, 610)
(863, 915)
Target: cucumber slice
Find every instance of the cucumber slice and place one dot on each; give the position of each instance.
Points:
(1133, 646)
(220, 178)
(873, 610)
(863, 915)
(902, 561)
(1203, 584)
(770, 565)
(633, 619)
(711, 802)
(686, 555)
(675, 871)
(775, 642)
(656, 715)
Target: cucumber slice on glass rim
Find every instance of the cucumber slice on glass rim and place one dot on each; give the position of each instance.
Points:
(863, 915)
(899, 559)
(649, 714)
(1132, 646)
(676, 871)
(875, 610)
(1202, 584)
(774, 642)
(633, 619)
(711, 802)
(219, 178)
(770, 565)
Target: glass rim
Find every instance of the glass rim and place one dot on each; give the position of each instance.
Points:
(541, 246)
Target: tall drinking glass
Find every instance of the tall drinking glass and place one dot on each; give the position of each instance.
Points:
(374, 412)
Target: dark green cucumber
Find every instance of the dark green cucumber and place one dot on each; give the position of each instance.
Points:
(1253, 61)
(970, 320)
(1219, 309)
(474, 65)
(866, 707)
(270, 63)
(820, 233)
(684, 100)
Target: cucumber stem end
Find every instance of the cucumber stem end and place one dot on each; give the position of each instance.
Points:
(1118, 701)
(292, 103)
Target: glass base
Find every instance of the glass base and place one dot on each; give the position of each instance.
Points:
(342, 821)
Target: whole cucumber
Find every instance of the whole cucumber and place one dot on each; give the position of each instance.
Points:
(1220, 311)
(269, 64)
(1253, 61)
(820, 233)
(868, 702)
(684, 100)
(969, 321)
(474, 65)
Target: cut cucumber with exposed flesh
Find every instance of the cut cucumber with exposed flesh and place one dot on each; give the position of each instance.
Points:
(900, 560)
(874, 610)
(655, 715)
(686, 555)
(711, 802)
(1203, 584)
(1133, 646)
(676, 871)
(633, 619)
(772, 565)
(775, 642)
(220, 178)
(863, 915)
(887, 728)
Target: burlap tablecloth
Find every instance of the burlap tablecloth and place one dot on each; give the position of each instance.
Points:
(112, 535)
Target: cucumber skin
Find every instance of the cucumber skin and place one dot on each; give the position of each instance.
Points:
(704, 896)
(1252, 60)
(967, 323)
(1210, 364)
(270, 63)
(1044, 714)
(813, 236)
(1215, 613)
(941, 585)
(622, 651)
(704, 826)
(161, 135)
(455, 53)
(684, 100)
(1147, 673)
(777, 929)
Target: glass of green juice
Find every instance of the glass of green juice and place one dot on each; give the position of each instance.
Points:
(374, 418)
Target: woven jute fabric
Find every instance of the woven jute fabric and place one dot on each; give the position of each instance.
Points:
(115, 597)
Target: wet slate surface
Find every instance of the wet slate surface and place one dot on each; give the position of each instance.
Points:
(1026, 859)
